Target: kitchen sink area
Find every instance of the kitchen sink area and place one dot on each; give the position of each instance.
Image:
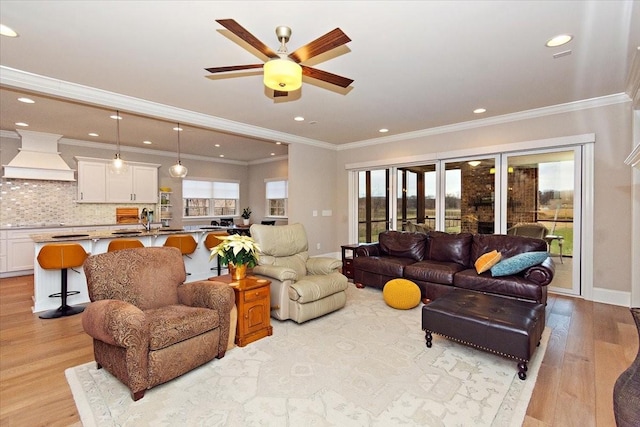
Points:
(68, 236)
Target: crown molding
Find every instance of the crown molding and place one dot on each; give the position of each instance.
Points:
(126, 149)
(633, 159)
(633, 80)
(490, 121)
(72, 91)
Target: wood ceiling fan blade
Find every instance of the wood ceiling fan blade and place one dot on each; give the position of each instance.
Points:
(322, 44)
(233, 68)
(245, 35)
(325, 76)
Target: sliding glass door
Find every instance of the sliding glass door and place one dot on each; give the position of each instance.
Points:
(469, 196)
(373, 204)
(416, 197)
(543, 189)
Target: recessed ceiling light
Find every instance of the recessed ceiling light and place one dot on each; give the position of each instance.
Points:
(221, 155)
(383, 130)
(299, 119)
(559, 40)
(6, 31)
(480, 110)
(93, 134)
(24, 125)
(273, 154)
(216, 145)
(278, 143)
(147, 142)
(115, 117)
(178, 129)
(27, 100)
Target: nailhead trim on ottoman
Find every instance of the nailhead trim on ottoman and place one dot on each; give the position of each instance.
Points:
(402, 294)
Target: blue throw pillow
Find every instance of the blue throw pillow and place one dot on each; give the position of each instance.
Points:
(518, 263)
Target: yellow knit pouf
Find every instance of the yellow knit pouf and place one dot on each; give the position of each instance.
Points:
(402, 294)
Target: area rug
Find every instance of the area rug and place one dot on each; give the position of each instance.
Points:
(364, 365)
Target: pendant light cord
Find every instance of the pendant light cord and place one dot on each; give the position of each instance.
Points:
(179, 130)
(118, 131)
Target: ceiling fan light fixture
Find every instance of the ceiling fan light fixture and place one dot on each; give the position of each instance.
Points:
(282, 74)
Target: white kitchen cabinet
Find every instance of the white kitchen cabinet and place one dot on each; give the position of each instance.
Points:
(145, 183)
(119, 186)
(97, 184)
(20, 247)
(92, 184)
(3, 251)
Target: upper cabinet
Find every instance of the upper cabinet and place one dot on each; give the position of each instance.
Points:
(92, 181)
(97, 184)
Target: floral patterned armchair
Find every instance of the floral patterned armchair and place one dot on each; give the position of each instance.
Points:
(147, 325)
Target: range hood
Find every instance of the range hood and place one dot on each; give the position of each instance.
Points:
(39, 159)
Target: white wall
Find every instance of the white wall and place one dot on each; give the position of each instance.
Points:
(312, 187)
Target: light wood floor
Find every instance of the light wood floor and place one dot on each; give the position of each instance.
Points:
(590, 346)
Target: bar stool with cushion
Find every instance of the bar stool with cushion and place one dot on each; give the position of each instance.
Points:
(61, 256)
(117, 244)
(211, 241)
(185, 242)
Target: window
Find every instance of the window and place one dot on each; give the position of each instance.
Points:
(210, 198)
(277, 196)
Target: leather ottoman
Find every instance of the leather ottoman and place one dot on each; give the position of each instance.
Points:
(504, 326)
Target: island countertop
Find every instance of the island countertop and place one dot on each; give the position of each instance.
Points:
(72, 236)
(198, 265)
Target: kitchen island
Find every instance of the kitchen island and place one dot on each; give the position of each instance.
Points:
(47, 282)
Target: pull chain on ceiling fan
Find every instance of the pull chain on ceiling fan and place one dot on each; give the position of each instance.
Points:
(283, 73)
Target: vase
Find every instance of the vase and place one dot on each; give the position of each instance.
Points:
(245, 221)
(238, 272)
(626, 391)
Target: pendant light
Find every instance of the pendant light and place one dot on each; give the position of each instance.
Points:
(177, 170)
(117, 165)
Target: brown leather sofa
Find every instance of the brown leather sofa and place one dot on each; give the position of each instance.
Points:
(439, 262)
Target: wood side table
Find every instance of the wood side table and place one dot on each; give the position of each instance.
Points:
(347, 259)
(253, 301)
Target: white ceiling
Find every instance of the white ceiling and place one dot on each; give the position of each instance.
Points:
(415, 64)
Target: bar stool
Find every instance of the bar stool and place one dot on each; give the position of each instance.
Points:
(211, 241)
(185, 242)
(117, 244)
(61, 256)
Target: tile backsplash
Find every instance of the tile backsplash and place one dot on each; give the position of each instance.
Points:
(26, 202)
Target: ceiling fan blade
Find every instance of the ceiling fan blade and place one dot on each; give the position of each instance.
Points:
(233, 68)
(277, 93)
(245, 35)
(323, 44)
(334, 79)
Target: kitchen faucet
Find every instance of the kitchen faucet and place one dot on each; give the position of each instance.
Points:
(144, 219)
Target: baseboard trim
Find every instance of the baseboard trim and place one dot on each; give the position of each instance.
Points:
(608, 296)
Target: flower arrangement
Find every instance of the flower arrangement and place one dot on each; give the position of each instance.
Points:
(238, 250)
(246, 213)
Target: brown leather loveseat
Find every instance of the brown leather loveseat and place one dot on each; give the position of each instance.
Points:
(439, 262)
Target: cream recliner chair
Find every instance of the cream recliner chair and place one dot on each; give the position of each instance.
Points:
(302, 288)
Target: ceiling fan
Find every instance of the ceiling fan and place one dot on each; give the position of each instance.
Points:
(283, 72)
